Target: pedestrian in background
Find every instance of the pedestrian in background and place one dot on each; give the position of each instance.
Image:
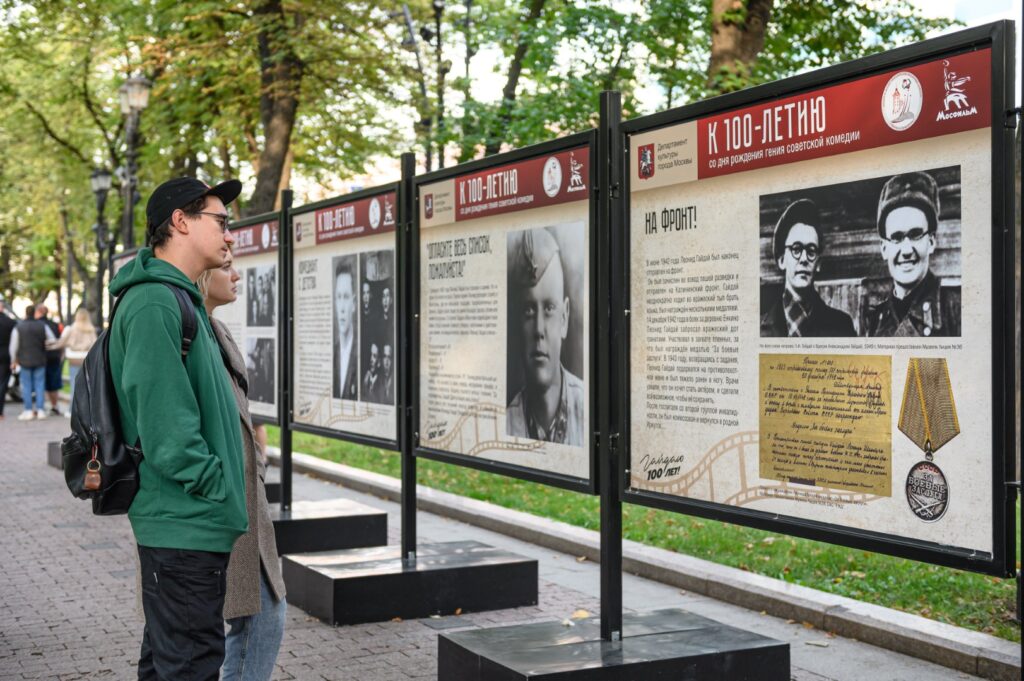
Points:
(54, 379)
(254, 606)
(75, 341)
(7, 325)
(28, 351)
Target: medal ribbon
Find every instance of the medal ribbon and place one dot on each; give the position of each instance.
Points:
(928, 414)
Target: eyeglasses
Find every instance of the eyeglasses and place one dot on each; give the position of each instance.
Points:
(798, 249)
(914, 235)
(222, 219)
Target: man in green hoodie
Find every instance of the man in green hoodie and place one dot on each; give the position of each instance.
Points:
(190, 507)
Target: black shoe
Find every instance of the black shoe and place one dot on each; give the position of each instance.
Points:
(54, 411)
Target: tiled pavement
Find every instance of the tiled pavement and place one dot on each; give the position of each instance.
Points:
(67, 599)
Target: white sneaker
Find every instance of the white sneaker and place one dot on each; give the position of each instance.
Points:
(26, 416)
(67, 414)
(40, 415)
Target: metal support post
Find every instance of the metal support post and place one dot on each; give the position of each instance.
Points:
(406, 428)
(285, 338)
(608, 207)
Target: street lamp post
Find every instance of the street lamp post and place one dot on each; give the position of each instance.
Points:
(134, 98)
(100, 181)
(442, 70)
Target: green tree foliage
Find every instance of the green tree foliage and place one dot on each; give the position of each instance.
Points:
(319, 88)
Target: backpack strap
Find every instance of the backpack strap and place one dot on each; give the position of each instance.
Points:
(189, 322)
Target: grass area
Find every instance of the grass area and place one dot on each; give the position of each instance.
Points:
(963, 598)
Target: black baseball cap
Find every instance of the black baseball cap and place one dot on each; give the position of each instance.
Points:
(181, 191)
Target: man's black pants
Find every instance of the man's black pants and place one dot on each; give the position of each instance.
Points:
(183, 599)
(5, 377)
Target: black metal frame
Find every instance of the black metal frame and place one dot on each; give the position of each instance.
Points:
(286, 235)
(589, 486)
(999, 37)
(258, 419)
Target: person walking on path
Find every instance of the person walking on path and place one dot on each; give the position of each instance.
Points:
(27, 349)
(255, 606)
(7, 325)
(180, 409)
(54, 379)
(75, 341)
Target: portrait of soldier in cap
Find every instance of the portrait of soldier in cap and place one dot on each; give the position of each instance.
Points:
(797, 246)
(908, 218)
(550, 404)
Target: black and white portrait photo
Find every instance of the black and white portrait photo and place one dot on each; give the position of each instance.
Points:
(260, 287)
(345, 327)
(259, 365)
(377, 326)
(877, 257)
(545, 388)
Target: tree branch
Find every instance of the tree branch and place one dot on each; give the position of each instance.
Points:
(52, 134)
(91, 107)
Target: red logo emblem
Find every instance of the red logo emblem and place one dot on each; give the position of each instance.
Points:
(645, 162)
(428, 206)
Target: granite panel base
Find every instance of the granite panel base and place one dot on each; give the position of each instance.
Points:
(328, 525)
(53, 455)
(376, 585)
(662, 645)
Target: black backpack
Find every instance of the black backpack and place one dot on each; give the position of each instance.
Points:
(98, 463)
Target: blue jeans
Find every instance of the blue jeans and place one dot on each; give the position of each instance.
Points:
(252, 644)
(73, 370)
(33, 380)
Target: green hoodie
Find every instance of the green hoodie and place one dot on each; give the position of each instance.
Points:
(191, 481)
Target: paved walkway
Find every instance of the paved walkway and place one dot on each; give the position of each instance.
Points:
(67, 602)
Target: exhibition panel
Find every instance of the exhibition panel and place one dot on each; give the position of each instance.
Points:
(253, 318)
(345, 302)
(821, 304)
(504, 309)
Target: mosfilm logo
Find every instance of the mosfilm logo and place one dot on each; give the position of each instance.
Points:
(901, 100)
(955, 104)
(428, 206)
(645, 162)
(576, 183)
(265, 236)
(551, 178)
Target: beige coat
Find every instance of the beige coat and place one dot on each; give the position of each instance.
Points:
(257, 547)
(75, 341)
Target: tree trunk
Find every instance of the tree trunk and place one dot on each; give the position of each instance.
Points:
(281, 73)
(515, 70)
(737, 38)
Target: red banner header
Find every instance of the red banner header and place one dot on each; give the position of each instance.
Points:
(253, 239)
(917, 102)
(534, 183)
(353, 219)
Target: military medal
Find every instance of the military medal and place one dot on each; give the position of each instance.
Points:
(928, 418)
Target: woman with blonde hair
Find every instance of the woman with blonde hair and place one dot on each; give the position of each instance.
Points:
(75, 341)
(254, 605)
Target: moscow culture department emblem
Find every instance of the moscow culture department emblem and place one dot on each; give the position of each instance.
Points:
(645, 161)
(374, 214)
(901, 100)
(552, 177)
